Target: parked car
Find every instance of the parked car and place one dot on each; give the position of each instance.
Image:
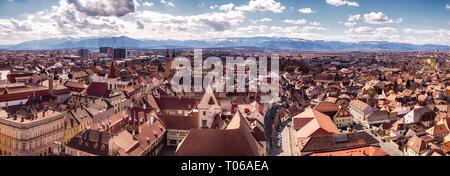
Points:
(279, 143)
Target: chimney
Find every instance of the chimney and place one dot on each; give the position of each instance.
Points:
(50, 86)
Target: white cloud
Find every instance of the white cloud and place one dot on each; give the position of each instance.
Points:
(261, 20)
(338, 3)
(227, 7)
(104, 7)
(350, 24)
(438, 32)
(292, 31)
(65, 19)
(351, 20)
(306, 10)
(315, 23)
(360, 30)
(262, 5)
(301, 21)
(387, 30)
(365, 29)
(148, 4)
(212, 7)
(354, 17)
(170, 4)
(265, 20)
(379, 18)
(440, 36)
(447, 6)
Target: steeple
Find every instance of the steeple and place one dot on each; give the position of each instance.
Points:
(167, 56)
(173, 53)
(6, 90)
(112, 70)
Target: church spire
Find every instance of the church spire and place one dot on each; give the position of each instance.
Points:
(6, 90)
(112, 70)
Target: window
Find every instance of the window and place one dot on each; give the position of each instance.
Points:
(204, 113)
(204, 123)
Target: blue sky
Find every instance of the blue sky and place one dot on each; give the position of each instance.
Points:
(412, 21)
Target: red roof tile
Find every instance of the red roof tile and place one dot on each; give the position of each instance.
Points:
(97, 89)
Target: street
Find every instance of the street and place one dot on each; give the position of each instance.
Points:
(287, 143)
(386, 146)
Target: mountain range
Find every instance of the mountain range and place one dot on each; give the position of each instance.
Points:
(250, 42)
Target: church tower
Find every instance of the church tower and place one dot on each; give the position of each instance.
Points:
(112, 79)
(168, 64)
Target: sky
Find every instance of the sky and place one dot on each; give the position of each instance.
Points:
(406, 21)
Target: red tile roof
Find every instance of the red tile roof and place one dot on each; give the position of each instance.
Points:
(180, 122)
(326, 107)
(97, 89)
(175, 103)
(363, 151)
(236, 140)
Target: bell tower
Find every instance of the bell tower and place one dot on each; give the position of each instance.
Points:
(112, 79)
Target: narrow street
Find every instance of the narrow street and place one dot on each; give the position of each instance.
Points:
(287, 143)
(386, 146)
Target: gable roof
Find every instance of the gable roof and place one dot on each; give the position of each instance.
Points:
(97, 89)
(343, 112)
(180, 122)
(359, 104)
(363, 151)
(437, 130)
(313, 123)
(175, 103)
(336, 142)
(235, 140)
(416, 144)
(326, 107)
(377, 116)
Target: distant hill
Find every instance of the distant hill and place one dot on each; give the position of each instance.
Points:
(251, 42)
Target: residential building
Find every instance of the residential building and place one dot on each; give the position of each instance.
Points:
(347, 144)
(359, 110)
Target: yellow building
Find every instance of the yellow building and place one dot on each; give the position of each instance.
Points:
(30, 134)
(76, 121)
(343, 118)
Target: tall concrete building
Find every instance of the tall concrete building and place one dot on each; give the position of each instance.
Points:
(119, 53)
(83, 53)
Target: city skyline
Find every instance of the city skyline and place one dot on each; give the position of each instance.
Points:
(333, 20)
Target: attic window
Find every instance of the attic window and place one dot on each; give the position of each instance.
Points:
(211, 102)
